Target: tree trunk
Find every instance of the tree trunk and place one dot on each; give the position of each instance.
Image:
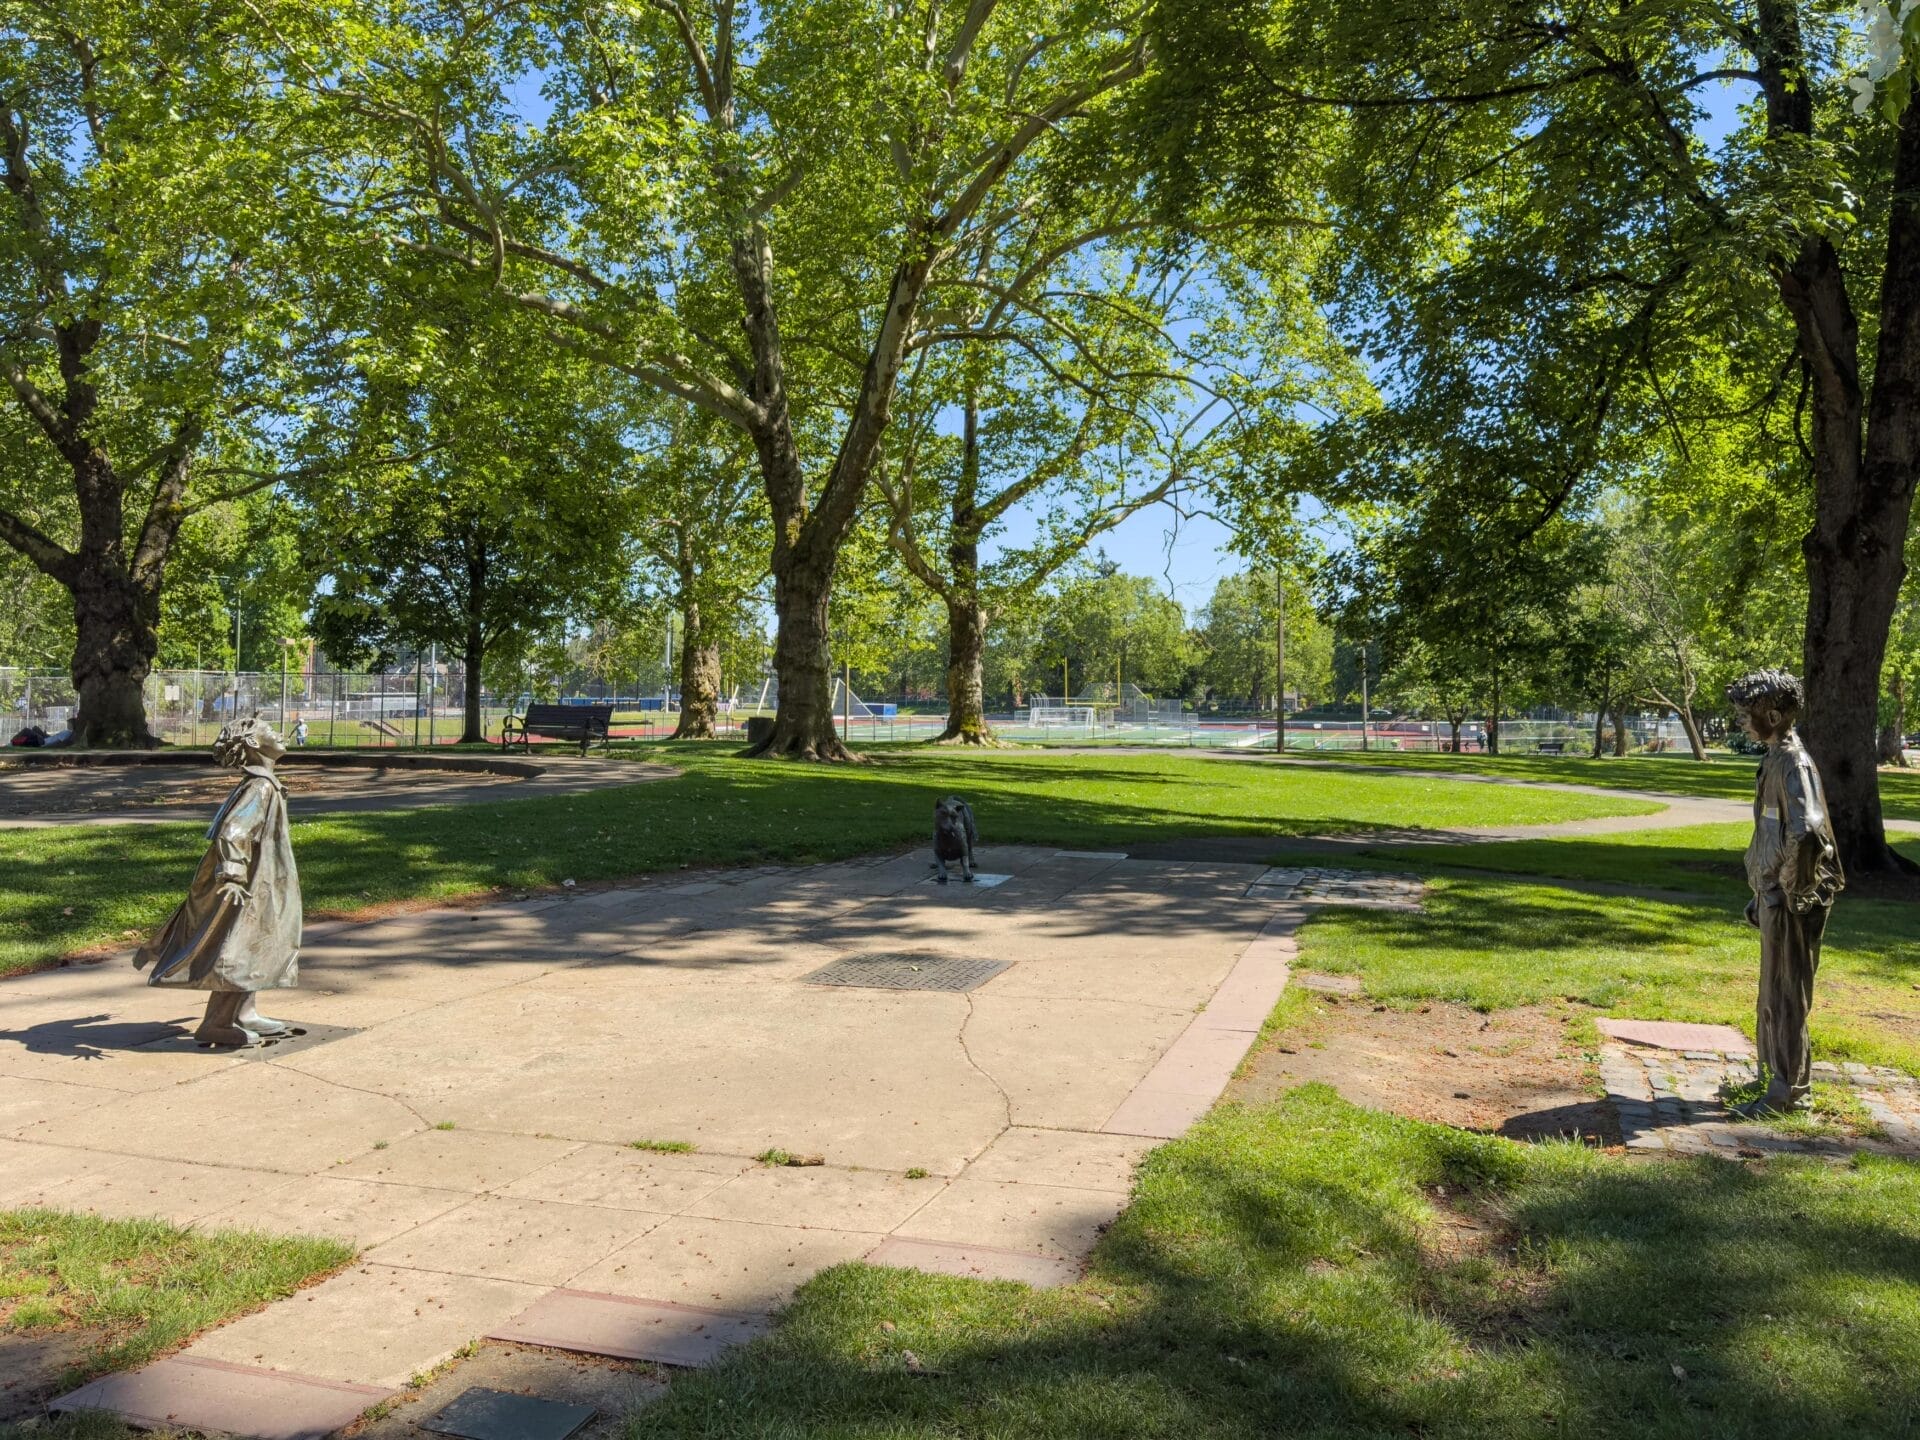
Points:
(114, 648)
(1863, 492)
(1691, 725)
(699, 678)
(1453, 743)
(116, 617)
(1599, 730)
(473, 728)
(1493, 720)
(966, 667)
(1620, 733)
(803, 727)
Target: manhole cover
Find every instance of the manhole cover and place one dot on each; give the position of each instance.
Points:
(908, 972)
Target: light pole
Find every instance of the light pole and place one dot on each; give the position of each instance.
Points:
(237, 592)
(1365, 704)
(1280, 666)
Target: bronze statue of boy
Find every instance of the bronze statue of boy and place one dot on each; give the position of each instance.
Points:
(238, 930)
(1794, 870)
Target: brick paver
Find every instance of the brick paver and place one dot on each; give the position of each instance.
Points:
(1671, 1102)
(1313, 885)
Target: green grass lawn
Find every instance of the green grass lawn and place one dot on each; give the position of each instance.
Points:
(144, 1286)
(1497, 940)
(1303, 1269)
(68, 888)
(1722, 777)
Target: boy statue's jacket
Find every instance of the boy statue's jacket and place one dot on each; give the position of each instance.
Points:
(1792, 858)
(210, 944)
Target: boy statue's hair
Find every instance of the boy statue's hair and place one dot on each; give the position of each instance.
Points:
(1776, 690)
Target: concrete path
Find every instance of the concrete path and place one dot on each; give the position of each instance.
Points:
(35, 794)
(467, 1103)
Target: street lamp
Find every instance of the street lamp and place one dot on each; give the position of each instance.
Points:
(286, 643)
(1366, 705)
(238, 591)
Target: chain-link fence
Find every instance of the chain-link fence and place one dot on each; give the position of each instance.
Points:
(413, 705)
(425, 704)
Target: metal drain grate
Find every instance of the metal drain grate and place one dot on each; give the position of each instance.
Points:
(908, 972)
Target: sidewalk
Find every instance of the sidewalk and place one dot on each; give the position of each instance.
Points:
(466, 1104)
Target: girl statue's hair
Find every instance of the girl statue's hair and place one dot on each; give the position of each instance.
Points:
(230, 746)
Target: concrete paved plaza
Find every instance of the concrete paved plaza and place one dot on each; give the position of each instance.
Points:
(467, 1104)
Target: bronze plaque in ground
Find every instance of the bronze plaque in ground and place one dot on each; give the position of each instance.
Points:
(908, 972)
(303, 1036)
(500, 1415)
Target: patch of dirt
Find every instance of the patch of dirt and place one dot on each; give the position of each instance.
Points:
(1513, 1072)
(34, 1364)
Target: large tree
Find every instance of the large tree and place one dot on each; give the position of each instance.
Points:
(513, 519)
(1109, 630)
(764, 212)
(701, 520)
(1527, 199)
(157, 339)
(1239, 628)
(1153, 379)
(1470, 593)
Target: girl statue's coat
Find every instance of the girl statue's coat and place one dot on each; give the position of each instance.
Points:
(212, 943)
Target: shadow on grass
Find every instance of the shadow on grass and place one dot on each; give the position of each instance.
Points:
(1285, 1271)
(64, 889)
(1728, 777)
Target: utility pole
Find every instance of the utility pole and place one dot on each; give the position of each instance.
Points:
(846, 702)
(1366, 705)
(1280, 666)
(1065, 690)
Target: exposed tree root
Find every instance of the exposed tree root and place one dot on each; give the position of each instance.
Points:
(984, 739)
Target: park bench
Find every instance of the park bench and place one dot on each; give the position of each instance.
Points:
(1553, 747)
(585, 723)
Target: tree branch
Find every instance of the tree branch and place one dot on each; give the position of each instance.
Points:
(51, 559)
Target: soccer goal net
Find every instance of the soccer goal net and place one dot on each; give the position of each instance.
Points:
(846, 705)
(1061, 715)
(1128, 704)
